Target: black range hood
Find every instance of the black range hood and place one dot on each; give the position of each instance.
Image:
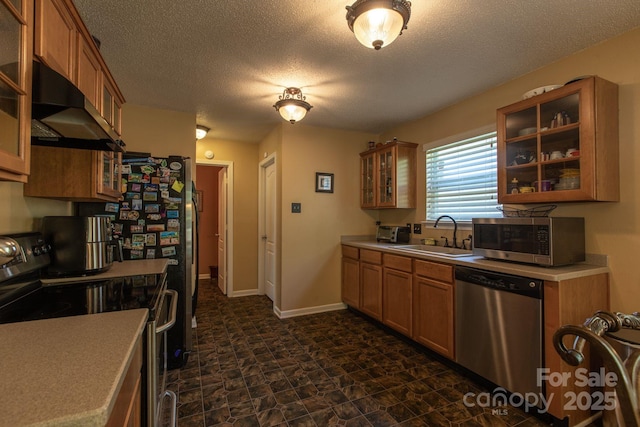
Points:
(61, 116)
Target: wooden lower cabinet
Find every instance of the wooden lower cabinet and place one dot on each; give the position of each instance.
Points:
(127, 410)
(350, 276)
(420, 304)
(397, 293)
(371, 283)
(570, 302)
(433, 307)
(433, 319)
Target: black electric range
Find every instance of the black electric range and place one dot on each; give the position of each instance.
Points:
(24, 296)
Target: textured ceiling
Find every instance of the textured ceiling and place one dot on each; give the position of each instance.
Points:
(227, 61)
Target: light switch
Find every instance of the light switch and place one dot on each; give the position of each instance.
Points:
(296, 207)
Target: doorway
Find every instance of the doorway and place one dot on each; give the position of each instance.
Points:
(215, 182)
(268, 254)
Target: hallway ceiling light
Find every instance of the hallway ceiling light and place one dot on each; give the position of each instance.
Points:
(377, 23)
(292, 105)
(201, 131)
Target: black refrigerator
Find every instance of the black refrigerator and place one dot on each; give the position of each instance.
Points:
(157, 219)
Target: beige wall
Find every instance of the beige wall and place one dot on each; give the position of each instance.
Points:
(245, 206)
(612, 228)
(19, 213)
(159, 132)
(310, 249)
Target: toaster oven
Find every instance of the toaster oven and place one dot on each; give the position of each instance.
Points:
(393, 234)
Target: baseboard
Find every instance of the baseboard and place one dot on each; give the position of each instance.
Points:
(204, 276)
(308, 310)
(246, 293)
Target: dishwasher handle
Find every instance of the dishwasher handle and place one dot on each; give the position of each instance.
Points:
(501, 282)
(172, 313)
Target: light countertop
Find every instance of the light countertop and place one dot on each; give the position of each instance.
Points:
(66, 371)
(118, 269)
(596, 264)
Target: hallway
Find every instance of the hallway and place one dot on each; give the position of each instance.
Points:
(249, 368)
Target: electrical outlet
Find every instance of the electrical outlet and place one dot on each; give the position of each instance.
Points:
(417, 228)
(409, 225)
(296, 207)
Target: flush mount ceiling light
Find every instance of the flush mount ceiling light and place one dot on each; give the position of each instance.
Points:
(201, 131)
(292, 105)
(377, 23)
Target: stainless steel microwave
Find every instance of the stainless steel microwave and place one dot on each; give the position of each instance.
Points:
(547, 241)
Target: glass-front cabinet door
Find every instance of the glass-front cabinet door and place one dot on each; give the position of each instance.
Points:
(109, 173)
(15, 88)
(561, 145)
(386, 178)
(367, 181)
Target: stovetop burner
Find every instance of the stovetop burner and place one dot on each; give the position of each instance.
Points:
(24, 297)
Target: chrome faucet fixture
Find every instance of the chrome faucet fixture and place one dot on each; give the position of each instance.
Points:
(455, 230)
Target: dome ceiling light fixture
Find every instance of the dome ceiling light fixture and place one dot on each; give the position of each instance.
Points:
(292, 105)
(201, 131)
(377, 23)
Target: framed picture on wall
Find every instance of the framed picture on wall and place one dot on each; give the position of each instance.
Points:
(324, 182)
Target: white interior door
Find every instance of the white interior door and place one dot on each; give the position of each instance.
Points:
(270, 232)
(222, 230)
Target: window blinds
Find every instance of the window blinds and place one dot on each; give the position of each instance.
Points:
(462, 179)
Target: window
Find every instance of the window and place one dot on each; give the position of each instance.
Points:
(462, 179)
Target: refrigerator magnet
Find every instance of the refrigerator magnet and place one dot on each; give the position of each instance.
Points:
(177, 186)
(168, 251)
(173, 214)
(148, 196)
(111, 207)
(150, 239)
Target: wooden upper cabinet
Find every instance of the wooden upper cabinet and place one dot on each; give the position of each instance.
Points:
(63, 42)
(16, 35)
(56, 36)
(88, 72)
(74, 175)
(562, 144)
(388, 176)
(111, 104)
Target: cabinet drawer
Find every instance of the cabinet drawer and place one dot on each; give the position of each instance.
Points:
(397, 262)
(372, 257)
(435, 270)
(350, 252)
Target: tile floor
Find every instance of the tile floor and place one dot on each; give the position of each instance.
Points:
(249, 368)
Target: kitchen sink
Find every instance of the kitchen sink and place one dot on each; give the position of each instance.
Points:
(434, 250)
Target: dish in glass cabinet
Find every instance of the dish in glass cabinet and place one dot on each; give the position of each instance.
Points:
(539, 91)
(527, 131)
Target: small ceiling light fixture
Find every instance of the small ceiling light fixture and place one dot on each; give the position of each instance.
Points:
(377, 23)
(292, 105)
(201, 131)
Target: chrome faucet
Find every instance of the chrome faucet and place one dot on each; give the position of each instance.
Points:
(455, 230)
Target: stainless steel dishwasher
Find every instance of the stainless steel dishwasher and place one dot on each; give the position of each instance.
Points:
(498, 327)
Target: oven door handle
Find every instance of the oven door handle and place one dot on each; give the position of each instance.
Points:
(174, 308)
